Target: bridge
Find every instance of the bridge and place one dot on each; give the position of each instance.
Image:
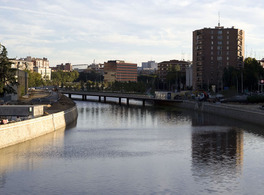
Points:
(105, 95)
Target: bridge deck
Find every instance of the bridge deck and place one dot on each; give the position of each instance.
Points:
(120, 95)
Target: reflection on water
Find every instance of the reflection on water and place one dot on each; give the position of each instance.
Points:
(23, 155)
(133, 150)
(219, 151)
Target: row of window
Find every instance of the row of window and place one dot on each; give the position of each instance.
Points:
(219, 42)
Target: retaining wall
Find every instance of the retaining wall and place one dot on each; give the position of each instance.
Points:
(225, 110)
(14, 133)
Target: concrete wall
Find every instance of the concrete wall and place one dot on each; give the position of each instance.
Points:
(225, 110)
(14, 133)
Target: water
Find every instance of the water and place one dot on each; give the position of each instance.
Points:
(133, 150)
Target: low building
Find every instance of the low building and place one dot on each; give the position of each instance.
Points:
(39, 65)
(67, 67)
(150, 65)
(45, 72)
(21, 64)
(21, 89)
(166, 66)
(117, 70)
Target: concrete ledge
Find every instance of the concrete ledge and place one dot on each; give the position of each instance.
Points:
(18, 132)
(241, 113)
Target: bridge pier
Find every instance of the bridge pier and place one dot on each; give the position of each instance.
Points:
(143, 102)
(69, 95)
(104, 99)
(99, 98)
(120, 101)
(127, 101)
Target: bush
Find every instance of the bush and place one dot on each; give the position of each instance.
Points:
(255, 99)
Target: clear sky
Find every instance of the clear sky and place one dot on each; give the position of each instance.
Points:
(81, 31)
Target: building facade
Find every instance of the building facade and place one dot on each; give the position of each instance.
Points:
(176, 70)
(67, 67)
(189, 76)
(39, 65)
(215, 49)
(22, 64)
(117, 70)
(165, 66)
(149, 65)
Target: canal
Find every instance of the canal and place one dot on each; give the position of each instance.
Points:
(116, 149)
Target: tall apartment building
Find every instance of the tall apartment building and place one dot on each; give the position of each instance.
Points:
(215, 49)
(117, 70)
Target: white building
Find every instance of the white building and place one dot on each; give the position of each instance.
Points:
(189, 78)
(45, 72)
(150, 65)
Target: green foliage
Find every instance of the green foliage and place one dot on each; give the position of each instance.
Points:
(175, 78)
(7, 74)
(253, 72)
(90, 76)
(61, 78)
(231, 77)
(127, 87)
(34, 79)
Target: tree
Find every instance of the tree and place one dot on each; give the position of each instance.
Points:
(253, 72)
(61, 78)
(231, 77)
(34, 79)
(7, 74)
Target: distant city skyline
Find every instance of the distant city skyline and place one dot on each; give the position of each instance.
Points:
(79, 32)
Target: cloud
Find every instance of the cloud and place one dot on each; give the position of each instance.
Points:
(81, 31)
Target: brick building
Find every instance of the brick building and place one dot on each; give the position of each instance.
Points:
(215, 49)
(116, 70)
(165, 66)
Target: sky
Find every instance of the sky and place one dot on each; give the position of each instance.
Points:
(87, 31)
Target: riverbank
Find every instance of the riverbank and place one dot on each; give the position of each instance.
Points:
(245, 112)
(58, 114)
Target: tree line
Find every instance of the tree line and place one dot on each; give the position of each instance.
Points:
(246, 78)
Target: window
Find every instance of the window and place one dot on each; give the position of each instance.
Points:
(227, 42)
(227, 47)
(219, 42)
(212, 42)
(220, 32)
(227, 37)
(227, 58)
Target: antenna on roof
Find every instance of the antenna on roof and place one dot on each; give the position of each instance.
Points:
(218, 19)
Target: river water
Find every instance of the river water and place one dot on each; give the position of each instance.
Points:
(116, 149)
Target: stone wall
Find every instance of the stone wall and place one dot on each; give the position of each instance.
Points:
(225, 110)
(14, 133)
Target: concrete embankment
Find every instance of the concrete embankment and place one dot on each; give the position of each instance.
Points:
(18, 132)
(246, 113)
